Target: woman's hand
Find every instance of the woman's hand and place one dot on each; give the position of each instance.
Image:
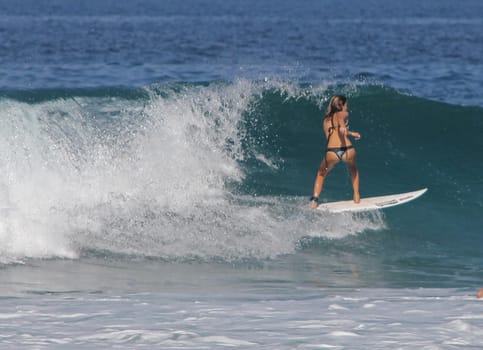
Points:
(355, 135)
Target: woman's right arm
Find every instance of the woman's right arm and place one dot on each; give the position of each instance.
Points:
(342, 123)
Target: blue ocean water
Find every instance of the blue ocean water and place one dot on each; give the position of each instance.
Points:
(157, 159)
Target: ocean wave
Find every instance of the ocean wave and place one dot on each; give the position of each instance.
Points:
(211, 171)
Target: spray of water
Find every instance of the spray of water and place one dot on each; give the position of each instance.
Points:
(143, 177)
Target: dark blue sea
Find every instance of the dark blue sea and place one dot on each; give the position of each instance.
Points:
(157, 156)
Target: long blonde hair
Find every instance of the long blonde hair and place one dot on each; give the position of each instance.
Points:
(336, 104)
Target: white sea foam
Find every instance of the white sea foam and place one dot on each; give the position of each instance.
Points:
(145, 177)
(260, 320)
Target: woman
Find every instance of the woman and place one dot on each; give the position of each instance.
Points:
(339, 147)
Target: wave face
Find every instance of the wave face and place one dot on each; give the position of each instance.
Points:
(223, 170)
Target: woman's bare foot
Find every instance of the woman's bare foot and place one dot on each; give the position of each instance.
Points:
(357, 198)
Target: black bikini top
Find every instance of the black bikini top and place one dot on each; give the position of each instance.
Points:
(332, 128)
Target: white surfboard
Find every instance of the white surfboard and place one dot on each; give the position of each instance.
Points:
(371, 203)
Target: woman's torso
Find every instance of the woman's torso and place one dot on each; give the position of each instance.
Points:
(331, 129)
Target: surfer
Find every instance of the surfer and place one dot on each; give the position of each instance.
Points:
(339, 147)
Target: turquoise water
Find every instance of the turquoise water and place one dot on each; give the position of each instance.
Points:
(155, 174)
(223, 171)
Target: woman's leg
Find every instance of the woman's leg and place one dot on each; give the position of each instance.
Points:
(350, 159)
(324, 169)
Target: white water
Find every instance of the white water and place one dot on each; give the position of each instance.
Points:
(305, 319)
(144, 177)
(289, 304)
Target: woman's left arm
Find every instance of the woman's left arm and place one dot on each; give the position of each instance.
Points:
(354, 134)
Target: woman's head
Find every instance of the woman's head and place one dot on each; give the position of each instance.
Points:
(336, 104)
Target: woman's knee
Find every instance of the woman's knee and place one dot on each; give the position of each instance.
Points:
(322, 170)
(326, 167)
(353, 169)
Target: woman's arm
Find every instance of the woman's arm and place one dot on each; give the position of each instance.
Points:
(343, 130)
(342, 123)
(354, 134)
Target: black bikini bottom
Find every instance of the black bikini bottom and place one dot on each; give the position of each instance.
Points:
(340, 151)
